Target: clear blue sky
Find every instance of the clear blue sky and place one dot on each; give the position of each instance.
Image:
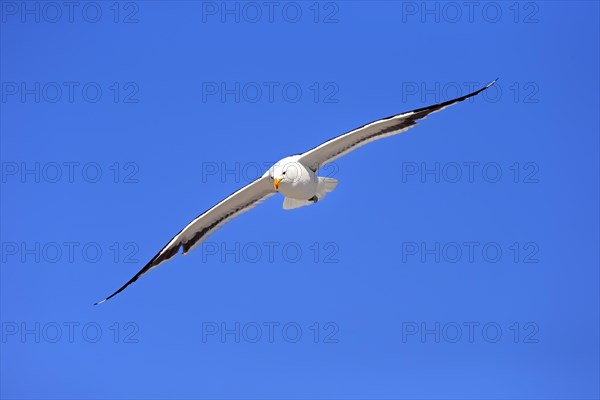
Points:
(459, 260)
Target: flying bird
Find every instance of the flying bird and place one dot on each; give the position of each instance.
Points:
(295, 177)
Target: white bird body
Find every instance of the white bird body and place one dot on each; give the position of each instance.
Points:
(298, 183)
(296, 180)
(295, 177)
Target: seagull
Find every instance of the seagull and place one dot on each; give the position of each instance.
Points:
(295, 177)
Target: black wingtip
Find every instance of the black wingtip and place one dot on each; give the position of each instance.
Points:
(104, 300)
(123, 287)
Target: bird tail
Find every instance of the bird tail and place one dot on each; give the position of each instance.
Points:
(326, 185)
(290, 204)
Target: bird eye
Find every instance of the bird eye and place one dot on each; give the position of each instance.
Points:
(283, 173)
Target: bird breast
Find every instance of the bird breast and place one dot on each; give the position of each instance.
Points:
(299, 182)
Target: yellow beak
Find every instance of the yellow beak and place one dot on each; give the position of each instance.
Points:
(276, 183)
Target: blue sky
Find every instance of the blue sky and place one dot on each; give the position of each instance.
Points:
(459, 260)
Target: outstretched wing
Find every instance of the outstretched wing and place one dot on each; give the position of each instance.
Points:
(390, 126)
(198, 230)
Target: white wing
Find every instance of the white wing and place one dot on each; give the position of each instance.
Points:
(345, 143)
(198, 230)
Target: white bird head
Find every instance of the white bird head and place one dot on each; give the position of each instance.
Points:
(285, 172)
